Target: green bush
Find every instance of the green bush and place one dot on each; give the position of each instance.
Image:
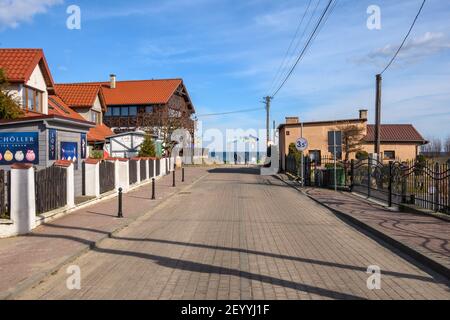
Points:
(362, 155)
(148, 148)
(96, 154)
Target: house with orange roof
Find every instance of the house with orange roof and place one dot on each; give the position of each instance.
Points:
(49, 130)
(88, 102)
(144, 104)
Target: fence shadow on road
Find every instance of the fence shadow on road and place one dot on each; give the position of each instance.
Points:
(92, 245)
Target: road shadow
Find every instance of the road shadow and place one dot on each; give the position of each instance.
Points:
(236, 170)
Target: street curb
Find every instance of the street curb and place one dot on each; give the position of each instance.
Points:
(35, 280)
(378, 235)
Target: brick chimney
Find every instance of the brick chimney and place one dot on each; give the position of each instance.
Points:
(292, 120)
(363, 114)
(112, 81)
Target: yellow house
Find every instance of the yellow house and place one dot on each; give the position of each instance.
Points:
(398, 141)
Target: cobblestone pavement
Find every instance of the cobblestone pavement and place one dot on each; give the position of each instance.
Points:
(25, 259)
(236, 235)
(426, 234)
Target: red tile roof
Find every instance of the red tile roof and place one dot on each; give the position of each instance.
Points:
(19, 64)
(99, 133)
(395, 133)
(139, 92)
(57, 106)
(79, 95)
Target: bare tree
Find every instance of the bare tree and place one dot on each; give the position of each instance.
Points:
(447, 145)
(433, 148)
(352, 136)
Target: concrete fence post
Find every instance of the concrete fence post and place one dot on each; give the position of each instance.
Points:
(23, 198)
(124, 175)
(70, 182)
(162, 170)
(92, 178)
(147, 171)
(138, 169)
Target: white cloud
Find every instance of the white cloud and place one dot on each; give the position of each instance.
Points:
(415, 49)
(14, 12)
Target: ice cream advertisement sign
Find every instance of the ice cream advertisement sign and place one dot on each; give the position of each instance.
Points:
(19, 147)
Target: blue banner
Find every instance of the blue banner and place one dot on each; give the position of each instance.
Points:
(69, 151)
(19, 147)
(83, 146)
(52, 144)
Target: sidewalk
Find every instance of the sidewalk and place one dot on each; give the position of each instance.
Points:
(24, 261)
(425, 238)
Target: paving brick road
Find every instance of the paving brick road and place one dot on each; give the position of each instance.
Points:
(236, 235)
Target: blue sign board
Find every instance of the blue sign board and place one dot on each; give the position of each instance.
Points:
(69, 151)
(19, 147)
(52, 144)
(83, 146)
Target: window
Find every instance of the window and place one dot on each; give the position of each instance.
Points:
(335, 143)
(124, 111)
(389, 155)
(149, 109)
(108, 112)
(133, 111)
(316, 157)
(116, 112)
(32, 100)
(288, 133)
(95, 117)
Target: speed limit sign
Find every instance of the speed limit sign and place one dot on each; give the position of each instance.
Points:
(301, 144)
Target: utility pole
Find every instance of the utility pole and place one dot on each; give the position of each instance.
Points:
(378, 116)
(267, 101)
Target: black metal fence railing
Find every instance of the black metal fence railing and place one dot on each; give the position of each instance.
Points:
(424, 184)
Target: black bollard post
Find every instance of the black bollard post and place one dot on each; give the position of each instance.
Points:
(174, 182)
(182, 174)
(120, 213)
(153, 189)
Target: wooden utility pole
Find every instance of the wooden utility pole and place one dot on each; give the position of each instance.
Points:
(378, 116)
(268, 100)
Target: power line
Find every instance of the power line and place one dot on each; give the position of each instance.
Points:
(299, 42)
(404, 40)
(275, 79)
(312, 36)
(227, 113)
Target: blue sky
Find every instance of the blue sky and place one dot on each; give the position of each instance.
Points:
(228, 53)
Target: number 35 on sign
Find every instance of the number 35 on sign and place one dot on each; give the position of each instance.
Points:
(301, 144)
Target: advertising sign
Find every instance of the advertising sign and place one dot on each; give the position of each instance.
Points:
(69, 151)
(52, 144)
(83, 146)
(19, 147)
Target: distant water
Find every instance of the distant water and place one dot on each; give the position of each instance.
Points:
(242, 157)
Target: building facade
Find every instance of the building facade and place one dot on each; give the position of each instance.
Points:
(398, 142)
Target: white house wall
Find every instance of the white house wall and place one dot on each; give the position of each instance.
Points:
(37, 81)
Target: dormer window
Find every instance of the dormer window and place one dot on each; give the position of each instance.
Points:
(32, 100)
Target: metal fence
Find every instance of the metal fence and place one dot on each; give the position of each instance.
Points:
(51, 189)
(424, 184)
(107, 176)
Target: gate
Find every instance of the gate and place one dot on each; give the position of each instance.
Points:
(133, 171)
(143, 170)
(5, 182)
(51, 189)
(107, 176)
(158, 167)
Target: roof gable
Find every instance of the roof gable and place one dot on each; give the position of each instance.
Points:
(80, 95)
(19, 64)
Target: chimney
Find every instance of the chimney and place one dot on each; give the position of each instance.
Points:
(112, 78)
(292, 120)
(363, 114)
